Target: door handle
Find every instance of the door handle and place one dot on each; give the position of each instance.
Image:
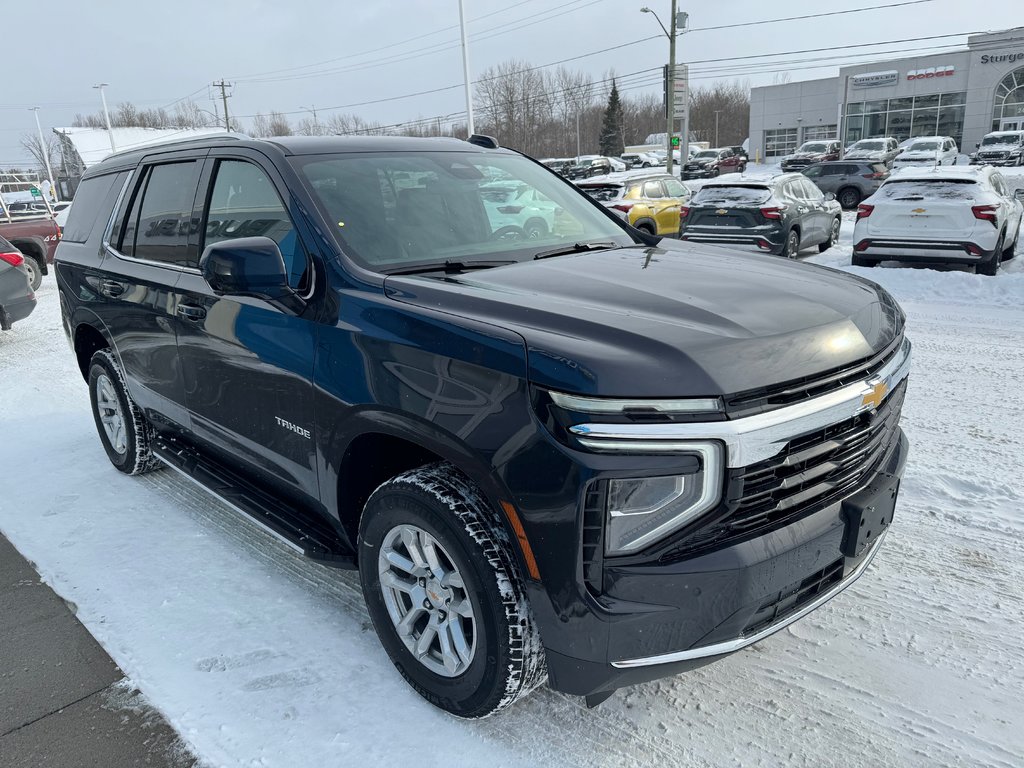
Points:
(191, 312)
(112, 288)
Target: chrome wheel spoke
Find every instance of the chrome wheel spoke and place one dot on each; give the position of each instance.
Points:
(462, 608)
(401, 562)
(453, 579)
(449, 656)
(393, 580)
(405, 626)
(411, 540)
(458, 640)
(427, 638)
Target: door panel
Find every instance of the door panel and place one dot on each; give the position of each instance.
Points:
(247, 364)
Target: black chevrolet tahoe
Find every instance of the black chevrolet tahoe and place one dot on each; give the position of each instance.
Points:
(573, 453)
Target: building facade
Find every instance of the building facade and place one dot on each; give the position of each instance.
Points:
(964, 94)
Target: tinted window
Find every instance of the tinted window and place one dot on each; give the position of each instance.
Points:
(814, 171)
(91, 205)
(158, 227)
(924, 189)
(810, 191)
(244, 203)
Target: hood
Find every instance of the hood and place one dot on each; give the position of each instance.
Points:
(805, 156)
(677, 320)
(864, 154)
(998, 147)
(917, 154)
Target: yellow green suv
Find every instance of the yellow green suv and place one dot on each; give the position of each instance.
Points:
(649, 203)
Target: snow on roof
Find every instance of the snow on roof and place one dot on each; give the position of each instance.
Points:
(93, 144)
(961, 172)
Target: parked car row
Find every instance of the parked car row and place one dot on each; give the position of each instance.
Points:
(710, 163)
(652, 204)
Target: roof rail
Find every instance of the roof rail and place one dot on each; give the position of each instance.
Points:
(487, 142)
(233, 136)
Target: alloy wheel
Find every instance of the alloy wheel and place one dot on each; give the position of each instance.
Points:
(109, 408)
(427, 600)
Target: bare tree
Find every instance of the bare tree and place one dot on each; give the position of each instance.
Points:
(278, 125)
(513, 101)
(40, 152)
(732, 103)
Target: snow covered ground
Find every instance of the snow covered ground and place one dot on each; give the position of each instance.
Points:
(260, 658)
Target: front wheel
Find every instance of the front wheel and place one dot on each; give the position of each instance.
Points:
(833, 237)
(443, 589)
(848, 198)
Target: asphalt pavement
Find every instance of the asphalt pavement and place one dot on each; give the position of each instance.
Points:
(63, 701)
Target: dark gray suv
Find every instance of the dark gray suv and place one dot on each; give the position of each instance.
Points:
(850, 181)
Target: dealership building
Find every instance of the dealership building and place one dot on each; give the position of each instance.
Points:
(964, 94)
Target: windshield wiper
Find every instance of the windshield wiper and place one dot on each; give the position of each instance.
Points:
(574, 248)
(447, 266)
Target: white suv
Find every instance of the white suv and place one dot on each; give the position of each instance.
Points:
(956, 214)
(927, 151)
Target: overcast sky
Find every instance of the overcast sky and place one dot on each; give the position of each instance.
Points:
(334, 53)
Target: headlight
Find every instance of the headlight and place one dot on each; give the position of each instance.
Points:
(640, 511)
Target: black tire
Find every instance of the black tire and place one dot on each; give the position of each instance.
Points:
(507, 660)
(509, 232)
(535, 229)
(991, 267)
(860, 261)
(848, 198)
(833, 236)
(1011, 249)
(646, 228)
(791, 247)
(715, 173)
(35, 272)
(130, 453)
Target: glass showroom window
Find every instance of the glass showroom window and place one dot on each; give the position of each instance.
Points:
(1009, 103)
(820, 132)
(779, 141)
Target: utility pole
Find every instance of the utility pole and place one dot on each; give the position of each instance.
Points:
(224, 97)
(465, 70)
(577, 132)
(716, 126)
(46, 155)
(670, 77)
(106, 115)
(316, 123)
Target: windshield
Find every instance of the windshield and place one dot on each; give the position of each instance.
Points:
(814, 147)
(1001, 138)
(927, 189)
(713, 194)
(923, 146)
(401, 209)
(870, 145)
(706, 155)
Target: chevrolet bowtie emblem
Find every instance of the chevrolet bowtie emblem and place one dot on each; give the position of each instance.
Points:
(721, 211)
(918, 210)
(874, 398)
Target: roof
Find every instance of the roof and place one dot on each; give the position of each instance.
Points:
(931, 173)
(93, 144)
(732, 179)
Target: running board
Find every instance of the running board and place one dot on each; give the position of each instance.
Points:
(299, 529)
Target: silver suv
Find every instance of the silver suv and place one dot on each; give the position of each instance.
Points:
(849, 181)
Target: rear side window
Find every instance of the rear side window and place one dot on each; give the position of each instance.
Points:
(244, 203)
(676, 189)
(92, 203)
(159, 221)
(604, 194)
(653, 189)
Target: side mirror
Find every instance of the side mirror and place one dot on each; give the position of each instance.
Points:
(1019, 194)
(247, 266)
(977, 146)
(829, 196)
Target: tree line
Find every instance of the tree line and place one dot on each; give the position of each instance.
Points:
(550, 113)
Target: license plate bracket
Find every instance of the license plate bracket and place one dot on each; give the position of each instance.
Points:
(868, 514)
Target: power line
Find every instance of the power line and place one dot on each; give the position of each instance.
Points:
(886, 6)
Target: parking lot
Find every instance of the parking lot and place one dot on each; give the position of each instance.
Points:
(258, 657)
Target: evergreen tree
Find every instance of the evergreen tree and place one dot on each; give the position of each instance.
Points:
(612, 126)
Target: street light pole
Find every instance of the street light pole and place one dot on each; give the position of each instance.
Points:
(465, 70)
(671, 95)
(46, 154)
(106, 115)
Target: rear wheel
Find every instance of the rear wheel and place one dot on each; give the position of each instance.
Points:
(848, 198)
(123, 429)
(991, 267)
(833, 236)
(35, 273)
(535, 229)
(1011, 249)
(792, 247)
(445, 595)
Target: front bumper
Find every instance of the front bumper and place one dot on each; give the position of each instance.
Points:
(835, 459)
(998, 161)
(700, 173)
(663, 619)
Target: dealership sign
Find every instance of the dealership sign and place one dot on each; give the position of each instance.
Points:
(1009, 58)
(928, 74)
(870, 79)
